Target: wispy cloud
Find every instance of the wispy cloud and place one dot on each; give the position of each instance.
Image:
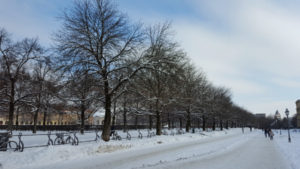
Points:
(247, 45)
(250, 46)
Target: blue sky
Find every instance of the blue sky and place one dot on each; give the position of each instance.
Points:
(249, 46)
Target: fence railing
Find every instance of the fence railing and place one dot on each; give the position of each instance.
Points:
(15, 142)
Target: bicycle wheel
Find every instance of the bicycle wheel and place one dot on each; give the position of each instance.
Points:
(69, 140)
(50, 143)
(128, 137)
(12, 145)
(58, 141)
(75, 141)
(119, 138)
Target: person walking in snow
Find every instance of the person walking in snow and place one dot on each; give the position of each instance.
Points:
(266, 132)
(112, 130)
(271, 134)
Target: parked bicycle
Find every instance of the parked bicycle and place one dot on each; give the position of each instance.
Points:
(6, 144)
(60, 139)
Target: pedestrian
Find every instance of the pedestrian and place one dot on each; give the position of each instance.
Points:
(112, 131)
(266, 132)
(271, 134)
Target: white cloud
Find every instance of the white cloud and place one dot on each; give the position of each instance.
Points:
(249, 46)
(285, 82)
(256, 43)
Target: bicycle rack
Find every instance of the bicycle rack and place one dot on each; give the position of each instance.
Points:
(128, 137)
(75, 139)
(140, 135)
(150, 134)
(20, 146)
(116, 136)
(50, 141)
(59, 140)
(97, 135)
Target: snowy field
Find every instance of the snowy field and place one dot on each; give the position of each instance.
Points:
(199, 150)
(290, 151)
(38, 157)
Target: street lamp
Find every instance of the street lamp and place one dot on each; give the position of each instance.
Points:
(287, 115)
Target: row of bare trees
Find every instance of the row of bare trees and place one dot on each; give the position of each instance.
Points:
(102, 59)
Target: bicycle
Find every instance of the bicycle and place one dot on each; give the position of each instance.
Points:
(6, 144)
(69, 140)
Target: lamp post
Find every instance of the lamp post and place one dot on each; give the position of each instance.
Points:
(287, 115)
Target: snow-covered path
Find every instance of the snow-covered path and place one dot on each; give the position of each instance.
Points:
(242, 151)
(255, 153)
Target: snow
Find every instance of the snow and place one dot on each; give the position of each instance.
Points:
(38, 157)
(206, 149)
(290, 151)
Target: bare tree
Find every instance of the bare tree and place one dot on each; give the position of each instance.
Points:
(82, 92)
(41, 79)
(192, 83)
(13, 59)
(164, 57)
(222, 103)
(97, 35)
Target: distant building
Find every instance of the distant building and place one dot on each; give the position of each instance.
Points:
(298, 113)
(277, 115)
(98, 117)
(62, 118)
(260, 115)
(3, 119)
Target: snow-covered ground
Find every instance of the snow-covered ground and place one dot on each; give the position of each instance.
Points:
(290, 151)
(38, 157)
(219, 149)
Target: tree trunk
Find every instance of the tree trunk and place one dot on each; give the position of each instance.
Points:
(124, 117)
(158, 120)
(44, 118)
(158, 123)
(150, 122)
(114, 120)
(203, 123)
(214, 124)
(188, 120)
(35, 117)
(82, 119)
(227, 125)
(180, 123)
(221, 125)
(114, 116)
(11, 106)
(17, 118)
(198, 123)
(169, 121)
(107, 118)
(136, 122)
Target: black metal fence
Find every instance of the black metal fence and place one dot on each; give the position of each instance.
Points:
(7, 141)
(14, 142)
